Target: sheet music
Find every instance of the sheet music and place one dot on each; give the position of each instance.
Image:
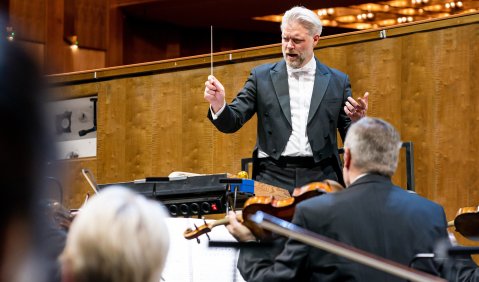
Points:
(189, 261)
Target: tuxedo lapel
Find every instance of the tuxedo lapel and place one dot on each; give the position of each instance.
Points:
(321, 81)
(279, 76)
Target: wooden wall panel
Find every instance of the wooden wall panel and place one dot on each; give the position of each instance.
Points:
(417, 102)
(28, 19)
(75, 186)
(229, 149)
(114, 39)
(167, 122)
(75, 91)
(472, 194)
(35, 50)
(111, 132)
(196, 134)
(138, 112)
(84, 59)
(41, 22)
(54, 44)
(436, 102)
(91, 23)
(423, 83)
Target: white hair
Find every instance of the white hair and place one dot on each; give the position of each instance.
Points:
(118, 236)
(305, 17)
(374, 145)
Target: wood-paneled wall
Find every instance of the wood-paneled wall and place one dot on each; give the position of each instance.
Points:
(40, 26)
(423, 79)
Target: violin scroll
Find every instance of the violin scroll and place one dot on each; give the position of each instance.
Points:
(203, 229)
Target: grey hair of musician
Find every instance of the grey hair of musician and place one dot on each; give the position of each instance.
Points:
(374, 145)
(118, 236)
(305, 17)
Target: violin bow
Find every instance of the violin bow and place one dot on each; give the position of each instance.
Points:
(295, 232)
(90, 179)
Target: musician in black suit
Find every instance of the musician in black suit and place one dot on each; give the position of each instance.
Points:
(300, 103)
(371, 214)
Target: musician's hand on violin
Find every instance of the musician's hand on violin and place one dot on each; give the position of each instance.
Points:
(238, 230)
(214, 93)
(357, 109)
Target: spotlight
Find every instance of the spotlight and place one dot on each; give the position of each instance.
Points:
(72, 41)
(10, 33)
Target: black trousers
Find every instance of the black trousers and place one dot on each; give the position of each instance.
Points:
(292, 172)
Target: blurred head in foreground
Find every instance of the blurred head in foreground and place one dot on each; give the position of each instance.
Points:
(23, 151)
(118, 236)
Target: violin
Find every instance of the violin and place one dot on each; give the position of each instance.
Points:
(283, 209)
(466, 222)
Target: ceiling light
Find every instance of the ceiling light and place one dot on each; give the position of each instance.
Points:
(386, 13)
(346, 19)
(387, 22)
(399, 3)
(407, 11)
(363, 26)
(433, 8)
(322, 12)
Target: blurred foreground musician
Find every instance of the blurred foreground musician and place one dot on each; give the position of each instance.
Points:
(27, 247)
(372, 214)
(119, 236)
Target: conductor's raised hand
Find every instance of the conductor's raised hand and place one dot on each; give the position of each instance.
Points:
(214, 93)
(238, 230)
(357, 109)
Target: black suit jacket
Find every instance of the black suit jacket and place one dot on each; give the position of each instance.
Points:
(372, 215)
(266, 93)
(461, 270)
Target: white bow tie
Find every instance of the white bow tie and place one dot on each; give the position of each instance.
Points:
(303, 70)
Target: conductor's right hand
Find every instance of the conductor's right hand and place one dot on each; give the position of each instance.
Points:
(214, 93)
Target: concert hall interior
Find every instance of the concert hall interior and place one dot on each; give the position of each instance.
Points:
(191, 104)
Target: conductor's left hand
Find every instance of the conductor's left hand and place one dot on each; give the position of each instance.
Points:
(357, 109)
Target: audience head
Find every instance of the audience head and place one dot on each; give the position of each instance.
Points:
(118, 236)
(372, 146)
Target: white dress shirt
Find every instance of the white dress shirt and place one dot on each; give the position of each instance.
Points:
(301, 83)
